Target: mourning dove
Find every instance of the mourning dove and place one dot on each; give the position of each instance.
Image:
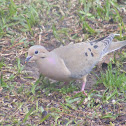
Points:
(73, 61)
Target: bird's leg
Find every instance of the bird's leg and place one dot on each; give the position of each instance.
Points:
(83, 85)
(82, 89)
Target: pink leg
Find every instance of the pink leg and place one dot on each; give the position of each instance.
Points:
(82, 89)
(83, 86)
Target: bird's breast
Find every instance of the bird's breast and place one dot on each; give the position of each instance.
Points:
(54, 68)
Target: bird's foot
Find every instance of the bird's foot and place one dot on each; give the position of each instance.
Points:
(84, 93)
(76, 92)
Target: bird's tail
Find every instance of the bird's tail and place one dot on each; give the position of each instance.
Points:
(107, 42)
(116, 45)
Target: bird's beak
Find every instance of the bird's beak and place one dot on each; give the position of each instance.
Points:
(28, 58)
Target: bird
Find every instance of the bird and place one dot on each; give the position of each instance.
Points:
(72, 61)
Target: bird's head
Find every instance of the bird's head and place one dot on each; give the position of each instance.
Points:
(35, 52)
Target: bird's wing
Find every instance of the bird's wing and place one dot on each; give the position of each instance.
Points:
(80, 58)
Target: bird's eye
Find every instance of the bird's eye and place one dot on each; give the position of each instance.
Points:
(36, 52)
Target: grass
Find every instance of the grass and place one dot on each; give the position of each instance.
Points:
(109, 10)
(113, 79)
(12, 17)
(28, 100)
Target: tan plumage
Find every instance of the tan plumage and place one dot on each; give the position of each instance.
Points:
(73, 61)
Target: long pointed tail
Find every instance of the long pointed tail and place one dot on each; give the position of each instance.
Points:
(116, 45)
(107, 42)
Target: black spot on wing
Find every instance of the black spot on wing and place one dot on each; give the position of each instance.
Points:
(95, 46)
(42, 57)
(86, 54)
(91, 43)
(92, 54)
(89, 49)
